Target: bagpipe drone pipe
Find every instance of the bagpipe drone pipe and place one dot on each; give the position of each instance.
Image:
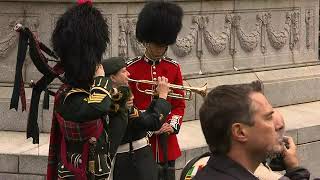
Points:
(40, 55)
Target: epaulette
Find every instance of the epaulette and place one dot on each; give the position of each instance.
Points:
(133, 60)
(75, 90)
(170, 60)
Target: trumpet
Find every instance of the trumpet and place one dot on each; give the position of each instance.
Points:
(188, 89)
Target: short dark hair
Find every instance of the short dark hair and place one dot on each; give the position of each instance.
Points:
(224, 106)
(80, 38)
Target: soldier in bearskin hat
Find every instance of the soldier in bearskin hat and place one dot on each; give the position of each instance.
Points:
(157, 27)
(79, 148)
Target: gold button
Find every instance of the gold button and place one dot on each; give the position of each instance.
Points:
(154, 73)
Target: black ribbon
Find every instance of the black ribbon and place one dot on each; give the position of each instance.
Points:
(46, 98)
(163, 140)
(49, 74)
(41, 85)
(18, 88)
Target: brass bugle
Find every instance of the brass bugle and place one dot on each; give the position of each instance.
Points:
(188, 89)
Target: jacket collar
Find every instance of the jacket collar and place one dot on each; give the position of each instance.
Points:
(226, 165)
(151, 61)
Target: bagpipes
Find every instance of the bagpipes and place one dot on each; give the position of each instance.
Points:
(37, 51)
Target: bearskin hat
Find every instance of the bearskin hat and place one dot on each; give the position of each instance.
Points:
(159, 22)
(80, 38)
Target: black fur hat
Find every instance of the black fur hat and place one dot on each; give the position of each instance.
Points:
(80, 38)
(159, 22)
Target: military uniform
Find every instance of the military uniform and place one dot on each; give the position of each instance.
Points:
(79, 146)
(134, 159)
(141, 68)
(156, 35)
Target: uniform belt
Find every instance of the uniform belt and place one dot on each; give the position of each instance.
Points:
(138, 144)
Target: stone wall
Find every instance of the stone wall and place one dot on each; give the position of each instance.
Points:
(217, 36)
(221, 42)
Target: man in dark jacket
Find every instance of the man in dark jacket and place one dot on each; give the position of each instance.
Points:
(239, 126)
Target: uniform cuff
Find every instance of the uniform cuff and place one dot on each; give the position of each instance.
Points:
(174, 123)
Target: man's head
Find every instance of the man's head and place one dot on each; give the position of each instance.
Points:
(115, 68)
(239, 116)
(158, 26)
(80, 38)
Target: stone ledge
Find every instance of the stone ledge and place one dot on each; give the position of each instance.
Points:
(293, 82)
(18, 155)
(9, 163)
(6, 176)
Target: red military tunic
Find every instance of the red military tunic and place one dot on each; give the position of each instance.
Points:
(141, 68)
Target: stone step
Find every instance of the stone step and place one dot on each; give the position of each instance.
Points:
(20, 159)
(283, 87)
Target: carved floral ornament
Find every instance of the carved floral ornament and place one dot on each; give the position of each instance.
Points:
(217, 42)
(10, 38)
(309, 27)
(127, 34)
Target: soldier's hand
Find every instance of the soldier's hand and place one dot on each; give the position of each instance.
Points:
(290, 154)
(163, 87)
(166, 128)
(130, 102)
(99, 71)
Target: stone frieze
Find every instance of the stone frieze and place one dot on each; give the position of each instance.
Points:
(199, 33)
(8, 37)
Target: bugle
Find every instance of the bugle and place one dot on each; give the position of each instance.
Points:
(188, 89)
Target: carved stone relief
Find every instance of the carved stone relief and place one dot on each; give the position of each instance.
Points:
(278, 39)
(108, 51)
(123, 31)
(218, 43)
(127, 35)
(184, 45)
(271, 29)
(9, 38)
(309, 27)
(295, 29)
(249, 41)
